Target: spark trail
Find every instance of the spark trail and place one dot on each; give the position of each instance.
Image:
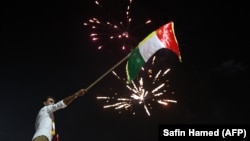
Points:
(140, 94)
(113, 32)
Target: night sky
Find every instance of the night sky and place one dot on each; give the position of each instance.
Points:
(46, 50)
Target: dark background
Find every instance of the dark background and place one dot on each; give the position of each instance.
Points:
(46, 50)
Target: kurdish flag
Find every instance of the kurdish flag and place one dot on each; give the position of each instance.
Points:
(162, 38)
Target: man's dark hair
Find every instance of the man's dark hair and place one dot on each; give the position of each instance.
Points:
(47, 97)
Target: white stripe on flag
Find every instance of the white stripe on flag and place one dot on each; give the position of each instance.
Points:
(148, 47)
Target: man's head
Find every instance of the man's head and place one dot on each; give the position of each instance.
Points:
(49, 100)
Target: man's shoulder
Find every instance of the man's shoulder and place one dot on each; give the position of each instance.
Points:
(43, 109)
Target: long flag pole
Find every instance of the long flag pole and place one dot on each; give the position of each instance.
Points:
(111, 69)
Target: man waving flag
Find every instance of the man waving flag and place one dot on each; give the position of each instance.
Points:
(161, 39)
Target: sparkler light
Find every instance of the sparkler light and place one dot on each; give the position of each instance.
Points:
(154, 88)
(113, 33)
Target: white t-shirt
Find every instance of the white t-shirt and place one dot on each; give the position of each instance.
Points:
(45, 120)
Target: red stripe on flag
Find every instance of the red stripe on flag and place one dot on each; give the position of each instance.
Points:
(167, 35)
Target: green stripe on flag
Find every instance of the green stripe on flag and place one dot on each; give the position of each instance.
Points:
(134, 64)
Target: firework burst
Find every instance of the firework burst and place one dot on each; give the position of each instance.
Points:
(144, 91)
(113, 33)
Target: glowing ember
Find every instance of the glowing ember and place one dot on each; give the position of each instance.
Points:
(105, 31)
(143, 95)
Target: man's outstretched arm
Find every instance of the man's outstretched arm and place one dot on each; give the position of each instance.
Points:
(71, 98)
